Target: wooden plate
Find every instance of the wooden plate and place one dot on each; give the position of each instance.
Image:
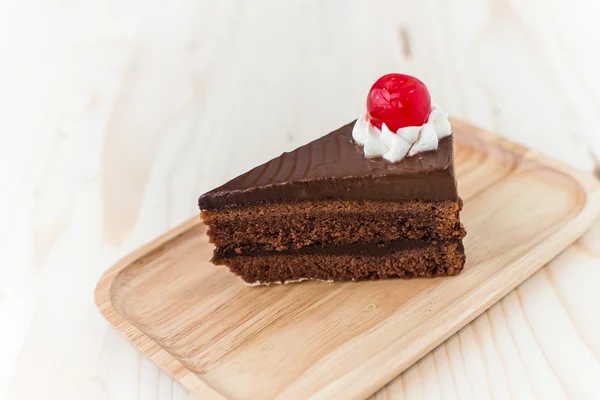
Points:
(220, 338)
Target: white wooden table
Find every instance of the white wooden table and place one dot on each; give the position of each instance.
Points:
(115, 115)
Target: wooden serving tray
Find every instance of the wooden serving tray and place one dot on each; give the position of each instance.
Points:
(222, 339)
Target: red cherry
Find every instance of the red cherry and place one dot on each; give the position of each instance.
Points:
(398, 100)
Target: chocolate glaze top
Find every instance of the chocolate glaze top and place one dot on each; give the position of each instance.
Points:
(334, 167)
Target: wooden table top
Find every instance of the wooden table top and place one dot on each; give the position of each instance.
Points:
(116, 115)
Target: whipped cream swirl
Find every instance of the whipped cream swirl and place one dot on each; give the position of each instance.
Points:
(406, 142)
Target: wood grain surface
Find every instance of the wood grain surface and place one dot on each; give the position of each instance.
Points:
(322, 340)
(116, 115)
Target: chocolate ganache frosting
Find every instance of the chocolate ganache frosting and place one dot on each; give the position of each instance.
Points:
(334, 166)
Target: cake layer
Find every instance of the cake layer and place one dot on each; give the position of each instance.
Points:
(428, 260)
(333, 166)
(331, 223)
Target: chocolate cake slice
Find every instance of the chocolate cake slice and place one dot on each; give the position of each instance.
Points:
(326, 211)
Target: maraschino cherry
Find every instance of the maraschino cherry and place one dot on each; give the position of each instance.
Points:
(399, 101)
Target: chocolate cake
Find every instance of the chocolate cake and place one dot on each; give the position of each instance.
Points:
(330, 211)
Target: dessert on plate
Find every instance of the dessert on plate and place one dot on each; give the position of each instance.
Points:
(374, 199)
